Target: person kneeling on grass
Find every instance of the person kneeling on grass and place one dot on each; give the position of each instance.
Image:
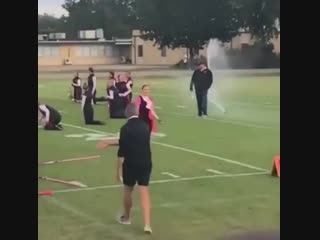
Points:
(134, 164)
(87, 106)
(50, 118)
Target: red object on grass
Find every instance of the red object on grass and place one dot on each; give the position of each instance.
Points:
(45, 193)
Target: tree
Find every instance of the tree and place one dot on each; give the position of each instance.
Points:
(93, 14)
(190, 23)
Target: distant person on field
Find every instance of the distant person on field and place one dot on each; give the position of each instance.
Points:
(92, 83)
(201, 80)
(134, 164)
(76, 85)
(146, 108)
(87, 106)
(50, 118)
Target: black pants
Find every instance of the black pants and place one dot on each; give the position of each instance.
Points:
(88, 116)
(77, 93)
(54, 123)
(202, 101)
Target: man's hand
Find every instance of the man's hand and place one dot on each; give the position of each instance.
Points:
(102, 145)
(119, 177)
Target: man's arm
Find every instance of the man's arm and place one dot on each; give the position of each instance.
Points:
(192, 81)
(121, 153)
(210, 79)
(94, 79)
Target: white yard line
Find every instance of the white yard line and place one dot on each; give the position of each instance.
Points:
(226, 121)
(182, 149)
(214, 171)
(74, 211)
(170, 175)
(166, 181)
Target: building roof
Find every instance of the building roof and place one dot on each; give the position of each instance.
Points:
(115, 41)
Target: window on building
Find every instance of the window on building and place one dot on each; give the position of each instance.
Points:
(48, 51)
(163, 52)
(109, 51)
(140, 51)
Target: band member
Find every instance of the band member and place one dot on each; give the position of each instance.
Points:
(76, 85)
(146, 109)
(87, 108)
(92, 84)
(49, 117)
(117, 104)
(124, 87)
(129, 85)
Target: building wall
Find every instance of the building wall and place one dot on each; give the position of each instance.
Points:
(54, 54)
(152, 55)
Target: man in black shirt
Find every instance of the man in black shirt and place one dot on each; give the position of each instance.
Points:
(134, 163)
(202, 80)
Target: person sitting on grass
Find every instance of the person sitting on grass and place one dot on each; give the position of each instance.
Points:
(87, 106)
(50, 118)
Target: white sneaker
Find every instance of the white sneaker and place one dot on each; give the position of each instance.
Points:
(123, 221)
(147, 230)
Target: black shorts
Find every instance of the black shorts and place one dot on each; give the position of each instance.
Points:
(133, 176)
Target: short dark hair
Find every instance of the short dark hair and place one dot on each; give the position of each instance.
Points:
(131, 110)
(91, 69)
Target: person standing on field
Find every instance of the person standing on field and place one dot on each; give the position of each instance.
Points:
(201, 80)
(134, 164)
(92, 83)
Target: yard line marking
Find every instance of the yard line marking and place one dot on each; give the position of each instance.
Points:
(156, 107)
(214, 171)
(166, 181)
(227, 121)
(183, 149)
(211, 156)
(170, 174)
(180, 106)
(74, 211)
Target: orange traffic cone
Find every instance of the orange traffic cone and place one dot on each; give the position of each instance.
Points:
(276, 166)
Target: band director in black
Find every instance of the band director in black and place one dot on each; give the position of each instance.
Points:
(201, 80)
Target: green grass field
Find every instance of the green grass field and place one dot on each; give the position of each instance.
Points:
(236, 196)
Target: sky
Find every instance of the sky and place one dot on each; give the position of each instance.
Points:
(52, 7)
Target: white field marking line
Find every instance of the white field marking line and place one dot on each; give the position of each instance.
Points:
(183, 149)
(170, 175)
(156, 107)
(166, 181)
(74, 211)
(214, 171)
(180, 106)
(227, 121)
(71, 159)
(228, 103)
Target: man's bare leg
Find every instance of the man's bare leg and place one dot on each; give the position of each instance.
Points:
(127, 201)
(146, 207)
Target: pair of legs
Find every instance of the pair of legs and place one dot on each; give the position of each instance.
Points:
(54, 124)
(88, 116)
(202, 101)
(130, 178)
